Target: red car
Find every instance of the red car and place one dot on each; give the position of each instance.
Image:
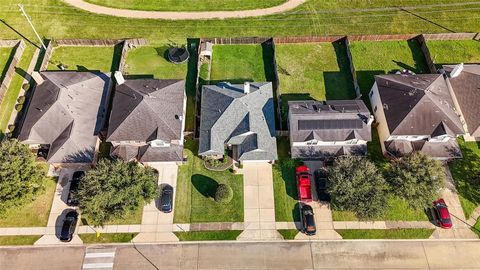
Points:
(441, 214)
(304, 183)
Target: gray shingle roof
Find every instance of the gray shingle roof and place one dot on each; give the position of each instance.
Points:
(228, 115)
(441, 150)
(67, 111)
(418, 104)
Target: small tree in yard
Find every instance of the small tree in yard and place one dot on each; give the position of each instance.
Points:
(224, 193)
(114, 188)
(417, 178)
(21, 178)
(356, 185)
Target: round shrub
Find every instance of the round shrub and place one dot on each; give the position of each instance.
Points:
(21, 99)
(26, 87)
(18, 107)
(11, 128)
(224, 193)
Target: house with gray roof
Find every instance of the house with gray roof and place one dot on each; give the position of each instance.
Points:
(239, 117)
(322, 129)
(65, 115)
(416, 113)
(147, 120)
(464, 81)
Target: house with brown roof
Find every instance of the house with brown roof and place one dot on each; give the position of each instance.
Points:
(416, 113)
(322, 129)
(147, 120)
(464, 81)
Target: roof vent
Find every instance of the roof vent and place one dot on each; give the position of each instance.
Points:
(246, 88)
(456, 70)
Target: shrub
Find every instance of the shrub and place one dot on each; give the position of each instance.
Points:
(224, 193)
(21, 100)
(11, 128)
(26, 87)
(18, 107)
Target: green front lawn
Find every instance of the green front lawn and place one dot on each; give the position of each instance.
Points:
(382, 57)
(196, 5)
(152, 60)
(196, 188)
(288, 234)
(35, 213)
(5, 55)
(84, 58)
(285, 183)
(91, 238)
(454, 51)
(386, 234)
(208, 235)
(19, 240)
(466, 173)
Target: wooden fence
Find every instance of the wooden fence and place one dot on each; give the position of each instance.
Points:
(18, 49)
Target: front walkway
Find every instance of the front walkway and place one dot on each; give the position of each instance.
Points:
(259, 206)
(176, 15)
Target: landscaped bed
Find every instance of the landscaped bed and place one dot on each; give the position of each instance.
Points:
(196, 187)
(382, 57)
(454, 51)
(84, 58)
(208, 235)
(386, 234)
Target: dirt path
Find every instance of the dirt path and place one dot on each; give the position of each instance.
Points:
(168, 15)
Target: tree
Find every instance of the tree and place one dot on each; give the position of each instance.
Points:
(224, 193)
(21, 177)
(114, 188)
(356, 185)
(417, 178)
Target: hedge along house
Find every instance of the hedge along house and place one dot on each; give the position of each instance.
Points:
(323, 129)
(464, 82)
(239, 117)
(147, 120)
(65, 115)
(416, 113)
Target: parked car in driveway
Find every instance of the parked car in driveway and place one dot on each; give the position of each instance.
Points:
(441, 214)
(72, 193)
(68, 226)
(304, 183)
(308, 220)
(166, 199)
(321, 180)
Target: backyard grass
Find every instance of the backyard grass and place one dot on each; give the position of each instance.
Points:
(288, 234)
(151, 60)
(454, 51)
(19, 240)
(285, 184)
(466, 173)
(317, 71)
(5, 55)
(33, 214)
(398, 210)
(372, 58)
(386, 234)
(195, 5)
(208, 235)
(84, 58)
(196, 188)
(91, 238)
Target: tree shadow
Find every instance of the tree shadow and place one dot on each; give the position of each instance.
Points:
(205, 185)
(82, 156)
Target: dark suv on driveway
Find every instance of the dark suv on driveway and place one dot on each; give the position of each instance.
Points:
(308, 220)
(68, 226)
(166, 199)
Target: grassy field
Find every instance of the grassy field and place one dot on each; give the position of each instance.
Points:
(454, 51)
(288, 234)
(372, 58)
(208, 235)
(196, 188)
(91, 238)
(150, 60)
(84, 58)
(285, 184)
(386, 234)
(192, 5)
(19, 240)
(465, 172)
(33, 214)
(5, 54)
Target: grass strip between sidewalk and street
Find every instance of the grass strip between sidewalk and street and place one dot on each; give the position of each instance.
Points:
(91, 238)
(19, 240)
(386, 234)
(208, 235)
(288, 234)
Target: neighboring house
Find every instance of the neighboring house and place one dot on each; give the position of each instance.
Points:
(240, 118)
(465, 82)
(416, 113)
(147, 120)
(320, 129)
(65, 115)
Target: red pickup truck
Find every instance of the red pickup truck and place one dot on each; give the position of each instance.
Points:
(304, 183)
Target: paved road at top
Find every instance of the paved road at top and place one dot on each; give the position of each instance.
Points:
(190, 15)
(261, 255)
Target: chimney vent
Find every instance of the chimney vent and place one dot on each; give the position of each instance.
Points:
(246, 88)
(456, 70)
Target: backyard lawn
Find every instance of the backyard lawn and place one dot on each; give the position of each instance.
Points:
(386, 234)
(150, 60)
(382, 57)
(33, 214)
(454, 51)
(196, 188)
(84, 58)
(466, 173)
(5, 54)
